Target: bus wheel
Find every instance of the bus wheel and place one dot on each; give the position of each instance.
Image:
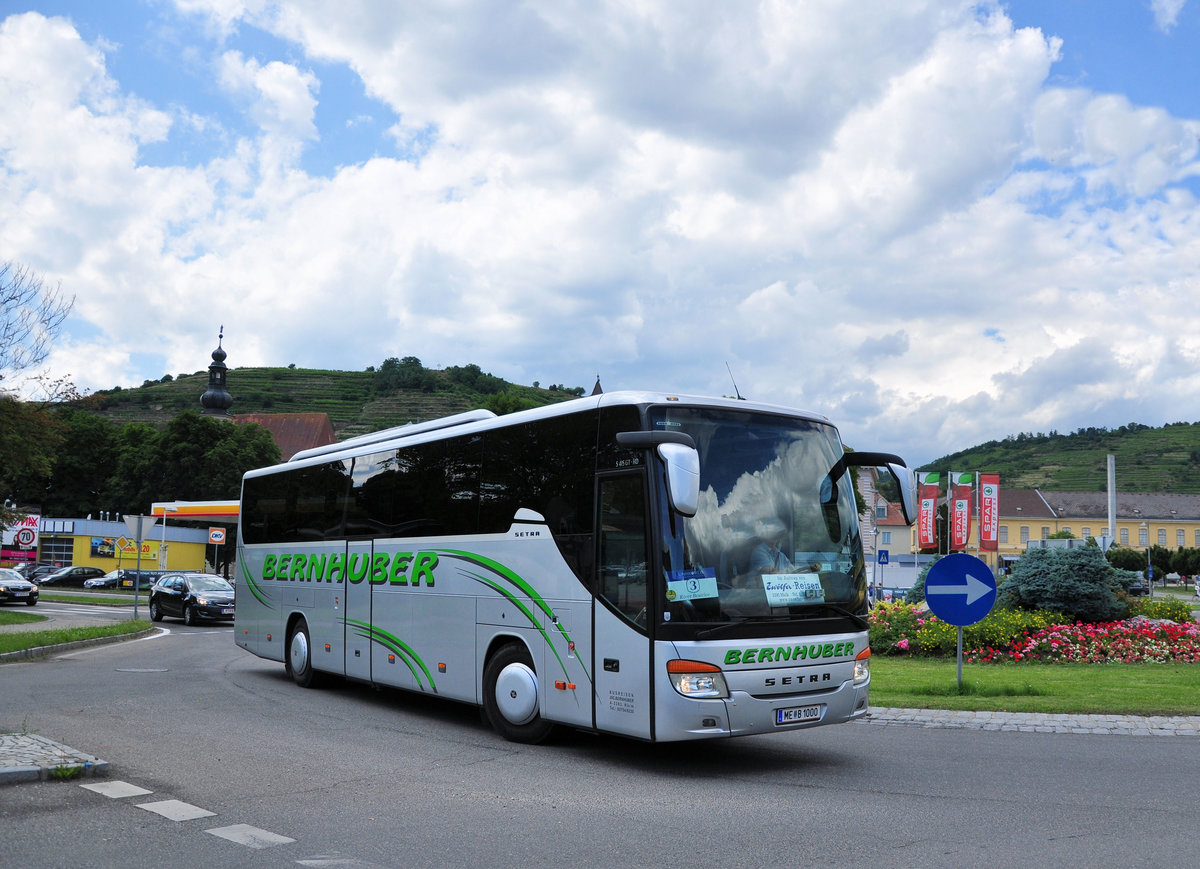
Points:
(299, 657)
(510, 696)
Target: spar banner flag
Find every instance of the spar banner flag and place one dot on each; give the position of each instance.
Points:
(928, 491)
(960, 510)
(989, 511)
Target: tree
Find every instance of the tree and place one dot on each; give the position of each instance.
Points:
(406, 373)
(29, 439)
(31, 315)
(78, 482)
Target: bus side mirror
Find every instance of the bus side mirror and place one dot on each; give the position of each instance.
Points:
(678, 453)
(683, 477)
(906, 480)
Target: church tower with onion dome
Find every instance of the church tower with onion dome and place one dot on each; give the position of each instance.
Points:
(216, 400)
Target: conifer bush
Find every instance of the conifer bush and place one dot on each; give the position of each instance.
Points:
(1079, 583)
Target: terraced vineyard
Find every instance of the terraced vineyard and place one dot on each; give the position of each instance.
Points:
(1148, 459)
(350, 398)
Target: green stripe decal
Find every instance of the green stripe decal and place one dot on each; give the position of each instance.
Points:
(524, 587)
(252, 584)
(395, 644)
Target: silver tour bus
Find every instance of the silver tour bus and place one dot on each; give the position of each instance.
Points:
(662, 567)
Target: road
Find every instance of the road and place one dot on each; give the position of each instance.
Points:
(350, 776)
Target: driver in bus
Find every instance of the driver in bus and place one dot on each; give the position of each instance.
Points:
(768, 557)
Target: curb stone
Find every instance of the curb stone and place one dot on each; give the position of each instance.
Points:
(26, 757)
(1038, 722)
(43, 651)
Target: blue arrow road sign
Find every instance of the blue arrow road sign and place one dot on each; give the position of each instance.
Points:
(960, 589)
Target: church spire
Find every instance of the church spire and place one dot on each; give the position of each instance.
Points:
(216, 400)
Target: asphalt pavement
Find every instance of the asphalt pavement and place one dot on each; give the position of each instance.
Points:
(31, 757)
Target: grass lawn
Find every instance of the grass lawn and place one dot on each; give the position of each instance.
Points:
(1115, 689)
(95, 600)
(23, 616)
(21, 640)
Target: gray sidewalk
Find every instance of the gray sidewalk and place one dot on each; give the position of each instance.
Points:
(1039, 722)
(29, 757)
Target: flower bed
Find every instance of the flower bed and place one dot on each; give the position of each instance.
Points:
(1018, 635)
(1136, 641)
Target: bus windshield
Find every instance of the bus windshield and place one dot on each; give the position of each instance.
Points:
(776, 533)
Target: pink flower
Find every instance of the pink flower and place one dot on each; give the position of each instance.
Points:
(902, 645)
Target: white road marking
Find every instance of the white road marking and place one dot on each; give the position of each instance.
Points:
(176, 810)
(251, 837)
(116, 789)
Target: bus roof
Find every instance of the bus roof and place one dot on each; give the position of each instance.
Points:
(482, 420)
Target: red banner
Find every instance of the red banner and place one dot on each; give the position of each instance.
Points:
(989, 512)
(960, 510)
(927, 495)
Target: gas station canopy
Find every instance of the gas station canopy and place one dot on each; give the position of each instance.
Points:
(209, 511)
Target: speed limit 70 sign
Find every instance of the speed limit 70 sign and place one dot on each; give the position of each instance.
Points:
(25, 537)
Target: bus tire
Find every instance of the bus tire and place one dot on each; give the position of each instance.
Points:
(298, 661)
(511, 699)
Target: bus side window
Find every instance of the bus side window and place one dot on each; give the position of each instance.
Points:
(622, 525)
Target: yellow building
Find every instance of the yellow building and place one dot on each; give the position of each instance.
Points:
(109, 545)
(1141, 520)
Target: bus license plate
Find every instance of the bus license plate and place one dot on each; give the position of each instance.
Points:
(798, 714)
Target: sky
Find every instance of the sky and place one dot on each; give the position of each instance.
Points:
(936, 223)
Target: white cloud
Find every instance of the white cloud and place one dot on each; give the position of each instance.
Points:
(1166, 13)
(843, 201)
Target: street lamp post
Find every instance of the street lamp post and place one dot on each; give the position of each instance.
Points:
(1149, 564)
(162, 548)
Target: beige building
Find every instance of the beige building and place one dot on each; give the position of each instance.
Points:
(1142, 520)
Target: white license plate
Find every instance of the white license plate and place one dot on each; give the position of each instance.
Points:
(799, 714)
(227, 611)
(20, 594)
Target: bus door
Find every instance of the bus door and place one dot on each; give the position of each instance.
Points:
(358, 610)
(621, 654)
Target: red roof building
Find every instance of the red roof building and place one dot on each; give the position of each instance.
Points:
(293, 432)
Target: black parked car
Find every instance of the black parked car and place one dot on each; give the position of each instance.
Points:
(193, 597)
(39, 572)
(15, 588)
(75, 576)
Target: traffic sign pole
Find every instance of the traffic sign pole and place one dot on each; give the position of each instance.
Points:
(960, 590)
(138, 526)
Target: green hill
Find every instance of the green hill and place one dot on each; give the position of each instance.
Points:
(357, 402)
(1148, 459)
(1163, 459)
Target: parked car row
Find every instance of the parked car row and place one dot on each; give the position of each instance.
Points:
(193, 597)
(123, 578)
(49, 574)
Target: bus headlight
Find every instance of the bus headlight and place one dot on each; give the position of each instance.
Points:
(862, 667)
(697, 679)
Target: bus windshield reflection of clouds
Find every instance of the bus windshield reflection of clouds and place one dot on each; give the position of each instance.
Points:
(776, 530)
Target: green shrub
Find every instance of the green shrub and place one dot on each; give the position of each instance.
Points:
(1171, 608)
